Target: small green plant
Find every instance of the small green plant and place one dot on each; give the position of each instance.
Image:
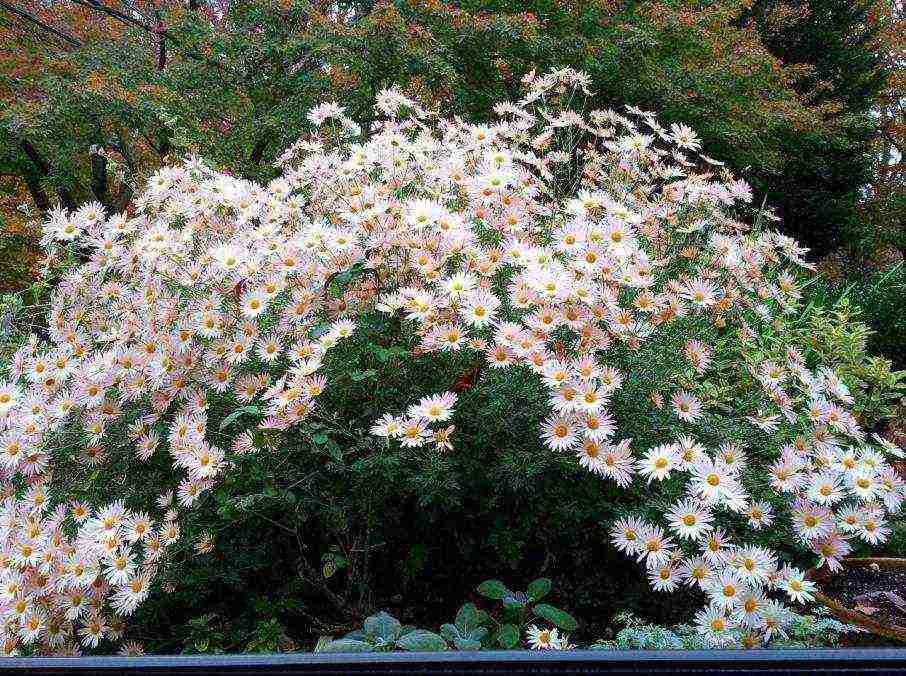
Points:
(204, 634)
(469, 628)
(818, 630)
(521, 609)
(383, 632)
(638, 635)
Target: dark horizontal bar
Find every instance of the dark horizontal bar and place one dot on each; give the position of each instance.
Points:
(826, 662)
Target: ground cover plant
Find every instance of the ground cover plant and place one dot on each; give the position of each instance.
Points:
(338, 337)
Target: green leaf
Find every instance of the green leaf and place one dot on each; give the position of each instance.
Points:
(383, 626)
(357, 635)
(466, 644)
(234, 416)
(450, 632)
(347, 645)
(477, 634)
(493, 589)
(385, 354)
(334, 451)
(540, 588)
(320, 330)
(555, 616)
(363, 375)
(422, 641)
(508, 636)
(483, 618)
(467, 618)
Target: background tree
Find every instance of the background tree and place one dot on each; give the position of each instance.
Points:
(96, 92)
(884, 202)
(851, 66)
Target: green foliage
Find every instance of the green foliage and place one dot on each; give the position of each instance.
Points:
(493, 589)
(557, 617)
(342, 522)
(467, 630)
(383, 632)
(879, 300)
(823, 173)
(518, 610)
(472, 628)
(203, 635)
(839, 335)
(819, 630)
(781, 89)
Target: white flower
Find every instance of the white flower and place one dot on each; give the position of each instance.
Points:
(658, 462)
(542, 639)
(797, 587)
(690, 519)
(9, 397)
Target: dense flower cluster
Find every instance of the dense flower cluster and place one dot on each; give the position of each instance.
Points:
(545, 241)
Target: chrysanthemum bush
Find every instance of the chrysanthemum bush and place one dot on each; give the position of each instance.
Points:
(599, 254)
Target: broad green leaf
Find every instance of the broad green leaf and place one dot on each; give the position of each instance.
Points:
(555, 616)
(467, 618)
(482, 617)
(477, 634)
(450, 632)
(538, 589)
(383, 626)
(493, 589)
(508, 636)
(512, 602)
(234, 416)
(422, 641)
(347, 645)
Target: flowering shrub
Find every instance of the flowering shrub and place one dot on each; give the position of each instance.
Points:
(201, 328)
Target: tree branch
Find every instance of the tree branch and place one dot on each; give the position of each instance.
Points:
(258, 150)
(124, 150)
(44, 170)
(99, 184)
(163, 33)
(47, 28)
(161, 43)
(37, 192)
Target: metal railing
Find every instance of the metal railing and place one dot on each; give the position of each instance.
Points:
(825, 662)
